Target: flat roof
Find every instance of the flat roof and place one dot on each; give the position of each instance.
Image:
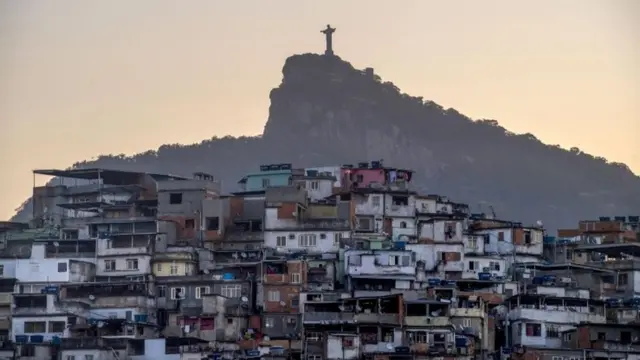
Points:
(108, 176)
(566, 266)
(611, 249)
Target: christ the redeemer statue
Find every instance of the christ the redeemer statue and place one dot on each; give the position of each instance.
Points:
(328, 33)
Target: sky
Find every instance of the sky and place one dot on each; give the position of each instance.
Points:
(82, 78)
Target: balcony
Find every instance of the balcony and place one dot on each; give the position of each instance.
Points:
(394, 210)
(91, 343)
(369, 318)
(381, 347)
(427, 321)
(328, 317)
(244, 236)
(124, 251)
(614, 346)
(276, 279)
(560, 316)
(6, 299)
(322, 224)
(466, 312)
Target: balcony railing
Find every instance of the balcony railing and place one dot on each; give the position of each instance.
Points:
(427, 321)
(5, 299)
(123, 251)
(329, 317)
(377, 318)
(466, 312)
(276, 278)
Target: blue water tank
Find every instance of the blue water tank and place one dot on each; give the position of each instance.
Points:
(22, 338)
(228, 276)
(37, 339)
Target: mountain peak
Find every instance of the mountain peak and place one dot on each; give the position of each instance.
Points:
(326, 112)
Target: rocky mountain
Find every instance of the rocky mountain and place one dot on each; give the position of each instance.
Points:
(326, 112)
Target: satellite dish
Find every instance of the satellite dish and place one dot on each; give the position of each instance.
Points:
(282, 303)
(390, 346)
(100, 324)
(266, 338)
(539, 222)
(243, 255)
(92, 297)
(205, 271)
(56, 244)
(244, 299)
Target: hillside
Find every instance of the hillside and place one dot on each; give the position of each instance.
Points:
(326, 112)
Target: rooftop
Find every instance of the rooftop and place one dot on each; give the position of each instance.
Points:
(108, 176)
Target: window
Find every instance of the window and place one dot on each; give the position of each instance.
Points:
(281, 241)
(28, 350)
(201, 290)
(307, 240)
(173, 269)
(88, 357)
(534, 330)
(230, 321)
(400, 200)
(466, 323)
(625, 337)
(403, 224)
(623, 279)
(273, 295)
(159, 267)
(359, 178)
(295, 278)
(501, 236)
(1, 270)
(57, 326)
(175, 198)
(314, 185)
(189, 224)
(527, 238)
(177, 293)
(109, 265)
(231, 291)
(62, 267)
(269, 322)
(162, 291)
(71, 357)
(323, 236)
(472, 265)
(337, 237)
(553, 331)
(472, 244)
(33, 327)
(375, 201)
(213, 223)
(292, 236)
(265, 183)
(494, 265)
(487, 239)
(132, 264)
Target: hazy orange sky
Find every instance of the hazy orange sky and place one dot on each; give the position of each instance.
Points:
(81, 78)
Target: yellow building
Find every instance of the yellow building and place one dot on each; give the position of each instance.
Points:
(175, 262)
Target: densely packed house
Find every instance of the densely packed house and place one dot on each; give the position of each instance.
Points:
(335, 262)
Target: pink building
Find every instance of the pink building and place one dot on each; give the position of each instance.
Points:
(373, 174)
